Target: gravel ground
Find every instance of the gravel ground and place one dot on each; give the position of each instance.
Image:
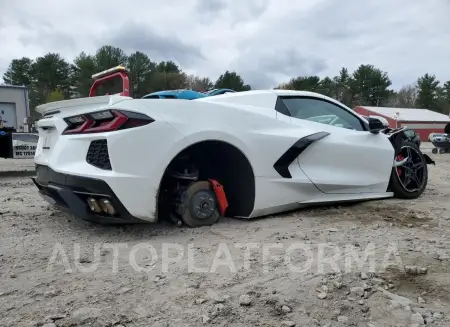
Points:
(15, 165)
(305, 268)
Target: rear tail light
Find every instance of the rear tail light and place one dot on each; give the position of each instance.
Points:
(105, 121)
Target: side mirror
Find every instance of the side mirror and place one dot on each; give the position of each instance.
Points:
(377, 124)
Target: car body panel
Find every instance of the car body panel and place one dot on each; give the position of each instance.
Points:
(346, 165)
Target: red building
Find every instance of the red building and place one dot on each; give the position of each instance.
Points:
(423, 121)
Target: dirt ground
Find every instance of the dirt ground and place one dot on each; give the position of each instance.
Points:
(15, 167)
(305, 268)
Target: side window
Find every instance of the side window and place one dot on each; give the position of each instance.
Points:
(321, 111)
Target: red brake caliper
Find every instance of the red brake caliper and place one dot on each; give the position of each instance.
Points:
(400, 157)
(220, 195)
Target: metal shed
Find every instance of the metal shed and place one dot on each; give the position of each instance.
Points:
(423, 121)
(14, 107)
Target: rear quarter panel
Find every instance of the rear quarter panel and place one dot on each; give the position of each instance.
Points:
(254, 130)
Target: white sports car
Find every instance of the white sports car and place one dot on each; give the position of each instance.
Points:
(244, 154)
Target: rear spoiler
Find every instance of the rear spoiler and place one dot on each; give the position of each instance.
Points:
(118, 72)
(107, 100)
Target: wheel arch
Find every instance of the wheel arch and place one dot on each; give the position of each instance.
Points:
(229, 164)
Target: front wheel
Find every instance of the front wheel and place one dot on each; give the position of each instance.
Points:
(409, 180)
(434, 151)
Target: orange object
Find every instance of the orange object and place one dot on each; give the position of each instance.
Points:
(220, 195)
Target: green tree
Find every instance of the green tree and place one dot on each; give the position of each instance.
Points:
(56, 95)
(108, 57)
(50, 72)
(327, 87)
(22, 72)
(370, 86)
(445, 98)
(82, 70)
(19, 72)
(442, 103)
(197, 83)
(343, 91)
(166, 76)
(302, 83)
(51, 78)
(168, 67)
(406, 97)
(160, 81)
(446, 91)
(140, 72)
(428, 87)
(231, 80)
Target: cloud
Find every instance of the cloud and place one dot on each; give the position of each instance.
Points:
(267, 41)
(271, 66)
(233, 12)
(210, 7)
(131, 37)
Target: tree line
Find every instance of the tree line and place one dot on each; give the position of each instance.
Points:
(52, 78)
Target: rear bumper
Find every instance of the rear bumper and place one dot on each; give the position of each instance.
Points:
(70, 193)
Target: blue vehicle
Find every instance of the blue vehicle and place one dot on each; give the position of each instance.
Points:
(185, 94)
(218, 91)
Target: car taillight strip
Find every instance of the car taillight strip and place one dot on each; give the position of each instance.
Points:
(116, 120)
(113, 125)
(85, 125)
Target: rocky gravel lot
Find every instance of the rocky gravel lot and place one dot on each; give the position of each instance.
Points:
(305, 268)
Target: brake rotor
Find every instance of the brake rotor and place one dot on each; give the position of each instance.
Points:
(199, 204)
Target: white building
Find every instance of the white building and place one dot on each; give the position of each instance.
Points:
(14, 105)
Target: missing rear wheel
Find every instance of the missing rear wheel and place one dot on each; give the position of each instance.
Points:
(198, 205)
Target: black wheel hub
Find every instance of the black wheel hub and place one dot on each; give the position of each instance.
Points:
(202, 204)
(411, 173)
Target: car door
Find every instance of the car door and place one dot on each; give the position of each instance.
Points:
(339, 154)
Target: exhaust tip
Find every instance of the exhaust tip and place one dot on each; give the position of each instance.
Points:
(94, 205)
(107, 206)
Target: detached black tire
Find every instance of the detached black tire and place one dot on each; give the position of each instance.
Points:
(200, 205)
(396, 185)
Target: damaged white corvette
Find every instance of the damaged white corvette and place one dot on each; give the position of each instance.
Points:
(246, 154)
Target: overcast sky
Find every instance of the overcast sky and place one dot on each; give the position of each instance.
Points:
(266, 41)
